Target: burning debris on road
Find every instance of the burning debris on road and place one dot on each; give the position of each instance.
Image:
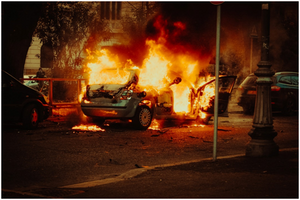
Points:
(93, 128)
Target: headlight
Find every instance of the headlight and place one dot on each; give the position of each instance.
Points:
(127, 94)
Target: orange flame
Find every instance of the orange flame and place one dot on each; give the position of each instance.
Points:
(83, 127)
(154, 125)
(160, 67)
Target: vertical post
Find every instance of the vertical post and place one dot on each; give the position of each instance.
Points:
(252, 36)
(251, 55)
(78, 90)
(217, 83)
(51, 92)
(262, 132)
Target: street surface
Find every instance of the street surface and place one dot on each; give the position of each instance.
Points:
(44, 161)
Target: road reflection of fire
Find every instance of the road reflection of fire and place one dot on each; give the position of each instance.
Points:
(83, 127)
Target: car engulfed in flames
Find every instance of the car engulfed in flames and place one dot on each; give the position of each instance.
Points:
(120, 95)
(166, 85)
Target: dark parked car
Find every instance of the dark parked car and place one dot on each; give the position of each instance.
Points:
(21, 103)
(284, 93)
(126, 101)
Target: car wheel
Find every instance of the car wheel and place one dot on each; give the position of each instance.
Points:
(30, 117)
(289, 107)
(142, 118)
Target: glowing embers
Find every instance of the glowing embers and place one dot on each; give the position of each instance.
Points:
(84, 127)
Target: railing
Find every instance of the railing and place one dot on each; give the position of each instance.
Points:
(63, 94)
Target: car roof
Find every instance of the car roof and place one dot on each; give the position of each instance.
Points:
(280, 73)
(286, 73)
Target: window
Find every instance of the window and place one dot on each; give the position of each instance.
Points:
(111, 10)
(294, 80)
(107, 11)
(102, 10)
(118, 10)
(285, 79)
(250, 80)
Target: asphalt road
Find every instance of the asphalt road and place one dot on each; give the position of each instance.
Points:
(54, 156)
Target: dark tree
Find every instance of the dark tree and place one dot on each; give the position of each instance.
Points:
(19, 20)
(70, 28)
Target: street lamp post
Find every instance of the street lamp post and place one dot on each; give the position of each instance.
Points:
(262, 132)
(252, 36)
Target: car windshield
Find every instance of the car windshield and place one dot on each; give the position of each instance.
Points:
(113, 76)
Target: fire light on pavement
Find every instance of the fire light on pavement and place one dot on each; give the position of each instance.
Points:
(154, 125)
(84, 127)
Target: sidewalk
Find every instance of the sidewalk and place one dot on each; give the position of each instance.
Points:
(228, 177)
(237, 177)
(231, 176)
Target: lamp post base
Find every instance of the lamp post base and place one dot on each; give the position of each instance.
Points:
(261, 148)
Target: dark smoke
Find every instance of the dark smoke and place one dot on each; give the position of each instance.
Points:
(237, 21)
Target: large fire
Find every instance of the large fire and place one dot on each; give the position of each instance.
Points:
(160, 67)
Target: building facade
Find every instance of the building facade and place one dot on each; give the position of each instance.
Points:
(111, 12)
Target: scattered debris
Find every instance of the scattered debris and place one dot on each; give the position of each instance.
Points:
(138, 166)
(114, 162)
(155, 135)
(207, 141)
(227, 139)
(219, 129)
(164, 130)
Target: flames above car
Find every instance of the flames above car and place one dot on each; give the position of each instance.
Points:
(159, 68)
(163, 69)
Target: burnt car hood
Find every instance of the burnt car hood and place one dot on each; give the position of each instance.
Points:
(104, 90)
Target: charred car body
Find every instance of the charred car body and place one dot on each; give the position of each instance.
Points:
(128, 101)
(22, 104)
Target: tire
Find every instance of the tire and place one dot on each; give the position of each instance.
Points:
(142, 118)
(31, 117)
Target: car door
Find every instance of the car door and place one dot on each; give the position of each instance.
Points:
(207, 94)
(11, 98)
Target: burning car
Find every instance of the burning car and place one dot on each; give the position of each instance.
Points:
(21, 103)
(125, 98)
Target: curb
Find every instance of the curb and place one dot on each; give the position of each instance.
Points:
(134, 172)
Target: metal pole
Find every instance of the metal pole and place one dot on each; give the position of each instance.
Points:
(217, 83)
(252, 36)
(262, 132)
(251, 55)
